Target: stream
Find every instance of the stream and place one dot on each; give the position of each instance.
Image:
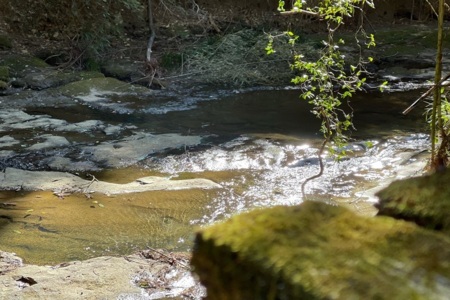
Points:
(258, 145)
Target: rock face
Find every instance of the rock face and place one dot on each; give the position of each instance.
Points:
(317, 251)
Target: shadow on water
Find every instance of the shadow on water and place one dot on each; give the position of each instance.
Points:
(259, 111)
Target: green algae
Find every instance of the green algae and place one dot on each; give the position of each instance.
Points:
(19, 64)
(4, 73)
(317, 251)
(5, 42)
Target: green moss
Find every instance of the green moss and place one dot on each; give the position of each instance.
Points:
(3, 85)
(92, 64)
(4, 73)
(424, 200)
(90, 74)
(316, 251)
(5, 42)
(19, 65)
(171, 61)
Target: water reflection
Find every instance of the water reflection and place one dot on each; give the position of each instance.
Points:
(276, 168)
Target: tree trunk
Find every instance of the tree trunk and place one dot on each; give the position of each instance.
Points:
(152, 31)
(436, 117)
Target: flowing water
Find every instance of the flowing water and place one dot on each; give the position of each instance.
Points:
(259, 145)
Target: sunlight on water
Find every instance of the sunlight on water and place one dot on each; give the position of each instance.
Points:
(259, 145)
(276, 169)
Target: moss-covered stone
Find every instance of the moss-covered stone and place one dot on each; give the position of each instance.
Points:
(19, 64)
(316, 251)
(49, 78)
(3, 85)
(424, 200)
(122, 70)
(4, 73)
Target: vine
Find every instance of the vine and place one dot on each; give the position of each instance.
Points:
(329, 80)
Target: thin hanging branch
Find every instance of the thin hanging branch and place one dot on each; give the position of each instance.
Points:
(151, 26)
(426, 94)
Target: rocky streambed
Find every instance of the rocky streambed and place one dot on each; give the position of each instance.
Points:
(94, 166)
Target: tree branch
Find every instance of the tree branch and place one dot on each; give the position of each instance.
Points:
(411, 107)
(301, 11)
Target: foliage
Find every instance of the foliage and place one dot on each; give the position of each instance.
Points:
(236, 58)
(90, 25)
(329, 80)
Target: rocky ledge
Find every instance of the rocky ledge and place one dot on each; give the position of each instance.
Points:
(150, 274)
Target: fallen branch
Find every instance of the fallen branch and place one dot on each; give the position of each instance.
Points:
(301, 11)
(426, 94)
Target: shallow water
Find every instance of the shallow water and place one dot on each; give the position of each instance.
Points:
(259, 145)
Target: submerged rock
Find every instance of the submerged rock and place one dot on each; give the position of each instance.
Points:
(423, 200)
(316, 251)
(135, 148)
(59, 182)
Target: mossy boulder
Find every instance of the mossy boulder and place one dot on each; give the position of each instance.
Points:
(317, 251)
(424, 200)
(3, 85)
(123, 70)
(49, 78)
(21, 65)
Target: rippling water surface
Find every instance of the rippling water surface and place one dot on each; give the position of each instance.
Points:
(258, 145)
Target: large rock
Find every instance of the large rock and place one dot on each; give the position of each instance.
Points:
(34, 73)
(423, 200)
(316, 251)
